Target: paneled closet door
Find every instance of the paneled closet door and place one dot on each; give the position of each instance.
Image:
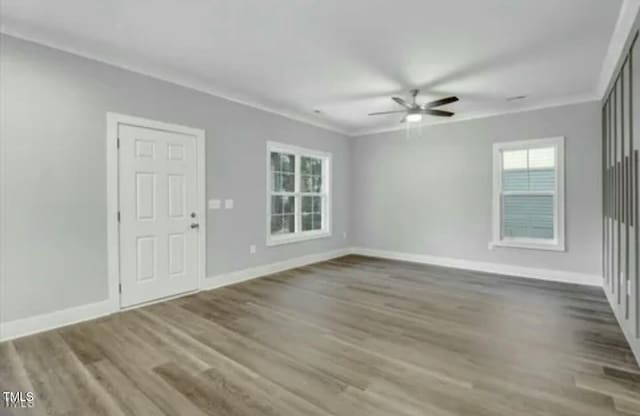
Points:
(634, 123)
(616, 226)
(611, 196)
(627, 243)
(605, 200)
(611, 160)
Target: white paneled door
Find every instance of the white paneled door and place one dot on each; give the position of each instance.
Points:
(159, 214)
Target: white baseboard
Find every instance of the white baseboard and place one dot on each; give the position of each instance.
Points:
(231, 278)
(497, 268)
(45, 322)
(627, 330)
(32, 325)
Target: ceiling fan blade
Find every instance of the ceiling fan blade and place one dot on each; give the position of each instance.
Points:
(401, 102)
(404, 119)
(439, 113)
(438, 103)
(386, 112)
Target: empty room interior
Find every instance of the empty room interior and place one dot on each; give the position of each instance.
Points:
(323, 208)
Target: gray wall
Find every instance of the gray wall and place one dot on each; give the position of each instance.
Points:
(432, 194)
(428, 195)
(52, 128)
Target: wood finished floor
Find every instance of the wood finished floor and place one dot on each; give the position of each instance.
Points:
(352, 336)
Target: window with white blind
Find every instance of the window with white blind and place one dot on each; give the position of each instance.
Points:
(298, 205)
(528, 194)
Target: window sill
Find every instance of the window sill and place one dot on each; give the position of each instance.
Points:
(527, 245)
(289, 239)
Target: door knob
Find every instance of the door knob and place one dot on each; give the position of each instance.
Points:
(195, 225)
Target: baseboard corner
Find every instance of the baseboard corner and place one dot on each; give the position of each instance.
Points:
(230, 278)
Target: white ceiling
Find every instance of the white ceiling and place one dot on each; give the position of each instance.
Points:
(344, 58)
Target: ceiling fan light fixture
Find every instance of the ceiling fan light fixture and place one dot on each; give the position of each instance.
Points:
(413, 111)
(414, 117)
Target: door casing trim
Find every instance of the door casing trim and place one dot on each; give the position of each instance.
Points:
(113, 234)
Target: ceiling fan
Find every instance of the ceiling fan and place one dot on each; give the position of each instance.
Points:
(414, 111)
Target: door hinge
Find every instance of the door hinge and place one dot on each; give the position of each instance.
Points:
(119, 287)
(118, 143)
(118, 216)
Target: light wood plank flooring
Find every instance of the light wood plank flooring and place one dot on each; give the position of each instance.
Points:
(352, 336)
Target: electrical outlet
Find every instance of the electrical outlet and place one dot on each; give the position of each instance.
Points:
(214, 204)
(252, 249)
(228, 204)
(344, 235)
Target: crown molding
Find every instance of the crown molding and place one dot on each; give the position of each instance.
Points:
(177, 79)
(619, 40)
(540, 105)
(618, 43)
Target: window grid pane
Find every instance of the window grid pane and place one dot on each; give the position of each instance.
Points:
(542, 179)
(311, 183)
(542, 158)
(312, 213)
(311, 166)
(282, 172)
(529, 180)
(310, 174)
(282, 214)
(528, 216)
(282, 162)
(297, 199)
(514, 159)
(528, 172)
(282, 224)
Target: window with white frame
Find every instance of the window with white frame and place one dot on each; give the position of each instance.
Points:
(528, 195)
(298, 194)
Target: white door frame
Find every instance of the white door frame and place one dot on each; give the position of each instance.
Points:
(113, 237)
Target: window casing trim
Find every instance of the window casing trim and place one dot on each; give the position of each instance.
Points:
(298, 235)
(557, 243)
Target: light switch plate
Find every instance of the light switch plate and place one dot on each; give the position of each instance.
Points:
(214, 204)
(228, 204)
